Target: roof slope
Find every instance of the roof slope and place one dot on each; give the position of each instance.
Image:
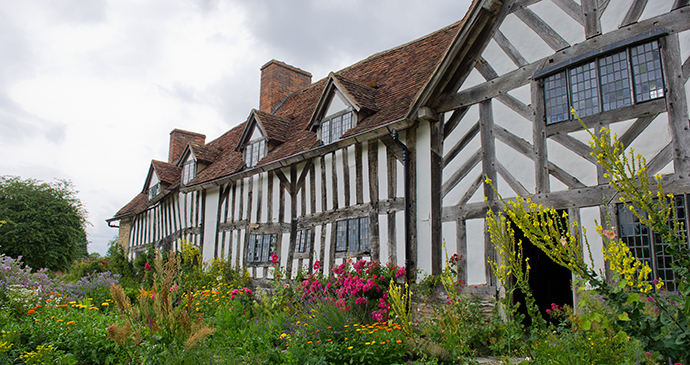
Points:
(167, 173)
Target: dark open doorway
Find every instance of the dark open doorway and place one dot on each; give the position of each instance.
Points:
(550, 282)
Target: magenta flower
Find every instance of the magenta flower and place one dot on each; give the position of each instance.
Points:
(147, 267)
(274, 258)
(317, 265)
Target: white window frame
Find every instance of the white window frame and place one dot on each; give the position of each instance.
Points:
(332, 127)
(254, 152)
(188, 171)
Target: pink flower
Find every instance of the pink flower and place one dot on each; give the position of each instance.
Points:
(274, 258)
(147, 267)
(235, 292)
(153, 296)
(173, 288)
(564, 241)
(317, 265)
(400, 272)
(610, 234)
(248, 291)
(285, 286)
(361, 301)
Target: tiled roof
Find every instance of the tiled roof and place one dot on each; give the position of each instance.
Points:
(205, 153)
(138, 201)
(385, 83)
(364, 96)
(167, 173)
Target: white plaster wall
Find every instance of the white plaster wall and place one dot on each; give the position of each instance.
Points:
(614, 14)
(365, 172)
(512, 121)
(519, 165)
(383, 238)
(328, 160)
(210, 223)
(525, 40)
(589, 217)
(352, 174)
(473, 79)
(656, 7)
(335, 105)
(307, 193)
(383, 171)
(653, 138)
(276, 198)
(423, 151)
(340, 176)
(450, 236)
(319, 189)
(327, 249)
(562, 23)
(154, 179)
(572, 163)
(475, 252)
(316, 244)
(284, 248)
(454, 196)
(400, 240)
(494, 55)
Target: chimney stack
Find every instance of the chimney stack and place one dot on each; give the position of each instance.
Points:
(278, 80)
(179, 139)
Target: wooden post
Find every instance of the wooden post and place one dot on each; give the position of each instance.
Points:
(486, 124)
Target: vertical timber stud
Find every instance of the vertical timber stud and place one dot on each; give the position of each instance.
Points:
(293, 221)
(373, 158)
(202, 223)
(221, 195)
(359, 196)
(461, 247)
(436, 196)
(411, 142)
(590, 12)
(392, 173)
(676, 103)
(486, 122)
(541, 163)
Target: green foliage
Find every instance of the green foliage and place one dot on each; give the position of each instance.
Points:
(45, 223)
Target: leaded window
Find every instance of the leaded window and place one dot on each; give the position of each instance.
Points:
(188, 171)
(303, 241)
(647, 246)
(334, 127)
(154, 190)
(254, 152)
(261, 247)
(606, 82)
(352, 235)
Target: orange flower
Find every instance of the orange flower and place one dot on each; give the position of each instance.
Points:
(31, 311)
(70, 322)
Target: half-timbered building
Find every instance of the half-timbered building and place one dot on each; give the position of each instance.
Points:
(395, 149)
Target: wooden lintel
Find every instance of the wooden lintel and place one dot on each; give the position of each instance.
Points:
(650, 108)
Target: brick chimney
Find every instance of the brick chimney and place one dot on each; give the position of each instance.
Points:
(278, 80)
(179, 139)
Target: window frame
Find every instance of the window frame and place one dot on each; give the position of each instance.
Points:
(304, 242)
(154, 190)
(262, 257)
(328, 124)
(188, 171)
(598, 57)
(254, 151)
(646, 245)
(350, 238)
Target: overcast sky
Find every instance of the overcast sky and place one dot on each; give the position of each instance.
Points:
(90, 90)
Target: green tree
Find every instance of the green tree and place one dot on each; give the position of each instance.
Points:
(45, 223)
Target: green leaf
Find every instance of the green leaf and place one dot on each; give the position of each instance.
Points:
(633, 297)
(623, 317)
(622, 284)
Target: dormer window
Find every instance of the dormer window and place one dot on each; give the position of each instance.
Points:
(254, 152)
(335, 126)
(188, 171)
(154, 190)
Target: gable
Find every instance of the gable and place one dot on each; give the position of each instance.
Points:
(256, 134)
(336, 104)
